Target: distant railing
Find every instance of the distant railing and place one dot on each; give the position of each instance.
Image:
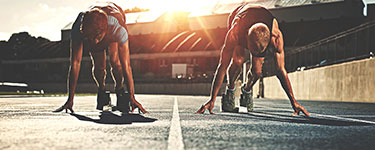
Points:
(354, 30)
(353, 44)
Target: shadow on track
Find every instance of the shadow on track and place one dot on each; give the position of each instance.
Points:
(111, 118)
(262, 115)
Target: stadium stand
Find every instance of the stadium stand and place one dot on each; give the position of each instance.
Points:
(303, 22)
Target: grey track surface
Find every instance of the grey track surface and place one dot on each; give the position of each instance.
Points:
(28, 123)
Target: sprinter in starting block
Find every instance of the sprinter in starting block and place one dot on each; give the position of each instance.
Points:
(254, 30)
(102, 30)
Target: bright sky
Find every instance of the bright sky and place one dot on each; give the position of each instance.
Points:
(47, 17)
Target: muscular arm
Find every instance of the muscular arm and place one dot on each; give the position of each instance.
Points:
(75, 65)
(126, 68)
(225, 58)
(282, 75)
(76, 48)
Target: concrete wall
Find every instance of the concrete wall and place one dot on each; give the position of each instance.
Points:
(140, 88)
(174, 88)
(349, 82)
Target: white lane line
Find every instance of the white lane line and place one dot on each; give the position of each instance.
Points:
(360, 116)
(175, 134)
(349, 119)
(327, 116)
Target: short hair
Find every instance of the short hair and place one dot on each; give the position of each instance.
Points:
(259, 37)
(94, 22)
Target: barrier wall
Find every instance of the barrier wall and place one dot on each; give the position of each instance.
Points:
(350, 82)
(140, 88)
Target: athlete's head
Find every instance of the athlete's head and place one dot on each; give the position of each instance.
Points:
(94, 25)
(258, 37)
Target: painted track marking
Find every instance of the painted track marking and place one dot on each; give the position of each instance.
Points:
(175, 134)
(327, 116)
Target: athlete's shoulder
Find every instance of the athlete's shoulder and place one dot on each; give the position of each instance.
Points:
(75, 31)
(232, 36)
